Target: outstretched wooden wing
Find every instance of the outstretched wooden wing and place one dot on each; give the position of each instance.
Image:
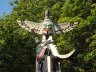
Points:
(65, 27)
(47, 23)
(30, 26)
(37, 27)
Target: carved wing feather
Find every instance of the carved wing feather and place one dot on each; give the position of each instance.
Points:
(65, 27)
(30, 26)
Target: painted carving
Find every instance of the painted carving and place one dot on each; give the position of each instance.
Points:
(47, 53)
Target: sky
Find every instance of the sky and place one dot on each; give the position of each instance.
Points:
(5, 7)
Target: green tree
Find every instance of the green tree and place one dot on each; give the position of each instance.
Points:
(17, 46)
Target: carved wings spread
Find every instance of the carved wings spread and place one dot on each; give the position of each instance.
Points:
(29, 26)
(36, 27)
(65, 27)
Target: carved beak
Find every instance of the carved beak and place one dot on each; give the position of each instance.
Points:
(46, 31)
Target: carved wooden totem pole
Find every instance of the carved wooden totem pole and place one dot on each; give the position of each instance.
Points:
(46, 52)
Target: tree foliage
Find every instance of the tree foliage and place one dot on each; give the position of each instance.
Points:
(17, 46)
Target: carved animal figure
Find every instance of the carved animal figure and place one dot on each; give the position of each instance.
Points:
(46, 29)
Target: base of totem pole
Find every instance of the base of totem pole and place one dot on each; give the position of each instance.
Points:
(50, 64)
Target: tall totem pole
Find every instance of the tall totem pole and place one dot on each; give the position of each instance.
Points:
(47, 56)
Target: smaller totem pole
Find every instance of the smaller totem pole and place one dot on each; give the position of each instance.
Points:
(46, 52)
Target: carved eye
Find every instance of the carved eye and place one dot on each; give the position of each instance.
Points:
(50, 26)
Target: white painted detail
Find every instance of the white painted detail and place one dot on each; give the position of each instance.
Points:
(49, 63)
(54, 51)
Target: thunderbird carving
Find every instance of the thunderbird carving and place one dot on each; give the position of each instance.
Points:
(46, 29)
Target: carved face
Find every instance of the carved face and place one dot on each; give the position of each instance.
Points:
(47, 27)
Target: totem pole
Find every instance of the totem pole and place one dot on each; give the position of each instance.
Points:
(47, 56)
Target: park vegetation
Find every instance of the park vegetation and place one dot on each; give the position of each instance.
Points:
(18, 48)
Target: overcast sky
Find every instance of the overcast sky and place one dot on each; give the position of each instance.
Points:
(5, 7)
